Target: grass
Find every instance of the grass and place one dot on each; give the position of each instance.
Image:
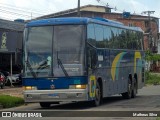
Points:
(152, 79)
(158, 118)
(9, 101)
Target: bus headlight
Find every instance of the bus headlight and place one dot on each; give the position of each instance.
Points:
(77, 87)
(29, 88)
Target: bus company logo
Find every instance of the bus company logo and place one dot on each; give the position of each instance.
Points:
(4, 39)
(6, 114)
(52, 87)
(4, 42)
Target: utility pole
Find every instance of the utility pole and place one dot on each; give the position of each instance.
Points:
(150, 28)
(78, 9)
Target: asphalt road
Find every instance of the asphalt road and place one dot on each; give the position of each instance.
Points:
(148, 99)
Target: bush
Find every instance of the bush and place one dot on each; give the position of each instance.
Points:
(152, 79)
(9, 101)
(158, 118)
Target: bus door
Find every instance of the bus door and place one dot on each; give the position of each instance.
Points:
(91, 65)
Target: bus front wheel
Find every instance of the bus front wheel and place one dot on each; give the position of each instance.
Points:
(98, 95)
(45, 104)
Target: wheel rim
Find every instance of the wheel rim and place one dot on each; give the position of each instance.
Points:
(135, 88)
(129, 89)
(97, 94)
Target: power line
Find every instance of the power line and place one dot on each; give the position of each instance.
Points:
(107, 5)
(8, 9)
(14, 12)
(25, 9)
(115, 7)
(19, 10)
(148, 12)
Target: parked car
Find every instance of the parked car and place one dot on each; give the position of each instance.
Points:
(5, 73)
(10, 80)
(13, 79)
(2, 80)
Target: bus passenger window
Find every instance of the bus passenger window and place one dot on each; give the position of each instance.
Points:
(91, 34)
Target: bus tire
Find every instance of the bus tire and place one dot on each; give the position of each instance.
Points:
(45, 104)
(128, 94)
(98, 95)
(134, 91)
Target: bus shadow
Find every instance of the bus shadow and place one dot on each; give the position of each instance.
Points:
(85, 105)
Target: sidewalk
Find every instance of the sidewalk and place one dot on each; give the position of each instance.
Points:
(12, 91)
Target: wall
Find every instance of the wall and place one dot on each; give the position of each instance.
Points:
(10, 44)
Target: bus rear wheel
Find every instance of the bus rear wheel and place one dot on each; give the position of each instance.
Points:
(134, 91)
(45, 104)
(128, 94)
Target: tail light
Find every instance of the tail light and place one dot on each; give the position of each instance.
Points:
(1, 78)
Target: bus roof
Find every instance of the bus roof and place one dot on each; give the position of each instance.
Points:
(79, 20)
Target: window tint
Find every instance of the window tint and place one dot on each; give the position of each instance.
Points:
(103, 36)
(134, 41)
(38, 50)
(141, 42)
(115, 39)
(69, 49)
(99, 36)
(91, 34)
(107, 35)
(44, 37)
(122, 39)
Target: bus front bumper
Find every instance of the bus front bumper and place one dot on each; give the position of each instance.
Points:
(63, 95)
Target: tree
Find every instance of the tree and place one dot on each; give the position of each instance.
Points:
(149, 56)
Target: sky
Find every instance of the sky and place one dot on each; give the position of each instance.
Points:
(28, 9)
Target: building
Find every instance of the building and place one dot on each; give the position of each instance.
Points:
(11, 34)
(159, 43)
(150, 25)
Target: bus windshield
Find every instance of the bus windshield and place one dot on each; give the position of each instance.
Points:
(54, 51)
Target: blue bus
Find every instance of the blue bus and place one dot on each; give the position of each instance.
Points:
(81, 59)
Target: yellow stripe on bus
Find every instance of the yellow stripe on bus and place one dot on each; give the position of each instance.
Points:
(114, 65)
(136, 56)
(92, 86)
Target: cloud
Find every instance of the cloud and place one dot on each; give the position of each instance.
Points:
(52, 6)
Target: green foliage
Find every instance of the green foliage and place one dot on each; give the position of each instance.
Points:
(152, 79)
(158, 118)
(151, 56)
(9, 101)
(148, 55)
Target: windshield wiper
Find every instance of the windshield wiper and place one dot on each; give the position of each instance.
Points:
(42, 66)
(63, 69)
(62, 66)
(31, 69)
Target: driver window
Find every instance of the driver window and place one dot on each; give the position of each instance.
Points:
(92, 58)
